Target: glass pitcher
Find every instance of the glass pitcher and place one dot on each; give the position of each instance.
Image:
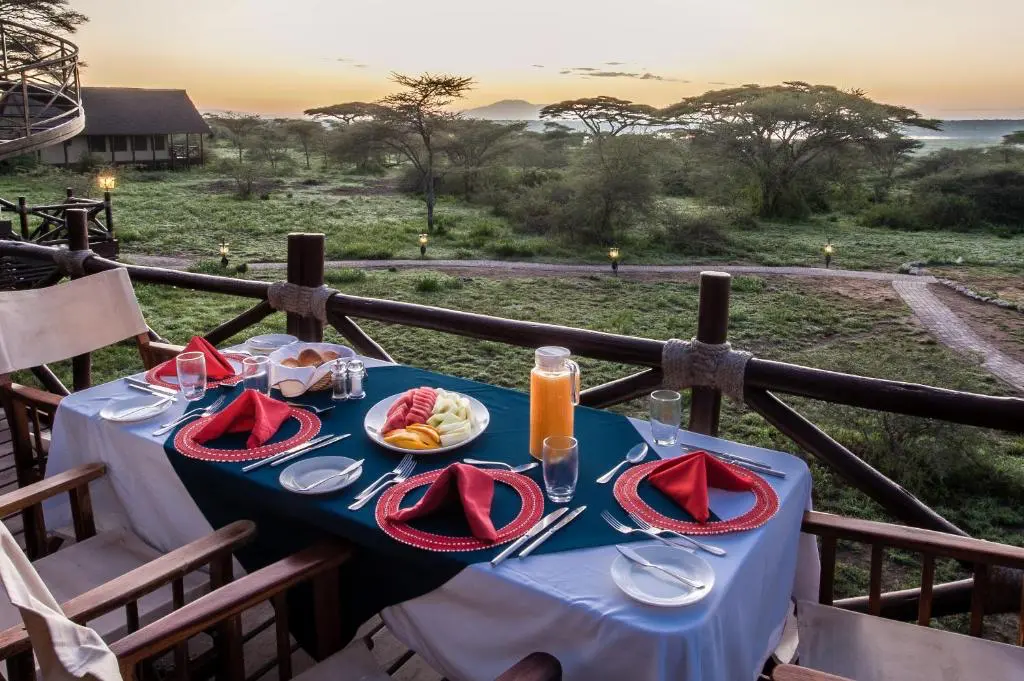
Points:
(554, 391)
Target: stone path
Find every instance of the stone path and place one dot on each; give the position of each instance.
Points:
(942, 322)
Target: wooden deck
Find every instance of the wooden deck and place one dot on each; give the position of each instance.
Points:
(393, 657)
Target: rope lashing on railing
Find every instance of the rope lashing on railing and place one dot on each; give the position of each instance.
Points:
(714, 365)
(306, 301)
(72, 262)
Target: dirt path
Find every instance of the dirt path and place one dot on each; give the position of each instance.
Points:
(972, 334)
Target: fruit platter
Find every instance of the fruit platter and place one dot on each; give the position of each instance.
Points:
(426, 420)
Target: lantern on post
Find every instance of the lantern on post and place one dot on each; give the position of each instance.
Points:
(423, 245)
(224, 252)
(107, 183)
(828, 254)
(613, 255)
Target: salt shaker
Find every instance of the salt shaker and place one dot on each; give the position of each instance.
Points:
(339, 380)
(356, 378)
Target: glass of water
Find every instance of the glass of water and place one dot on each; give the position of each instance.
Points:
(666, 415)
(561, 458)
(192, 375)
(256, 373)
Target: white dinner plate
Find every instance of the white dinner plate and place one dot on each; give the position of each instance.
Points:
(654, 588)
(308, 471)
(378, 414)
(235, 362)
(122, 409)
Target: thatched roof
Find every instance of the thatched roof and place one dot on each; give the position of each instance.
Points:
(139, 111)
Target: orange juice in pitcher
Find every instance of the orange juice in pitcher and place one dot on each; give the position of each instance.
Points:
(554, 392)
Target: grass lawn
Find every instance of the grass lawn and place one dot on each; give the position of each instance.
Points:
(188, 213)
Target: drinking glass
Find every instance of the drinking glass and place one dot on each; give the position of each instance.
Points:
(561, 458)
(192, 375)
(256, 373)
(666, 415)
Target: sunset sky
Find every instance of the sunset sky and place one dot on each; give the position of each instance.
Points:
(949, 59)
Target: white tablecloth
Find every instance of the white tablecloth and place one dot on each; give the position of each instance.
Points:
(484, 619)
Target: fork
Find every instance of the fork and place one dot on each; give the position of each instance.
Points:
(310, 407)
(644, 525)
(401, 477)
(372, 487)
(626, 529)
(522, 468)
(167, 427)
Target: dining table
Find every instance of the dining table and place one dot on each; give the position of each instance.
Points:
(469, 619)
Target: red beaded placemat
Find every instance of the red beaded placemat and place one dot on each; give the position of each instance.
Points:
(151, 376)
(529, 514)
(184, 442)
(766, 503)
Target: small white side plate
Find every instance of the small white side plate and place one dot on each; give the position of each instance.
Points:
(308, 471)
(267, 343)
(121, 408)
(654, 588)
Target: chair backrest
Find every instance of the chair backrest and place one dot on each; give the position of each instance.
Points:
(65, 651)
(55, 323)
(868, 648)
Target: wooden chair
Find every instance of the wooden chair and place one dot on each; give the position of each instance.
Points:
(52, 324)
(789, 672)
(866, 647)
(102, 573)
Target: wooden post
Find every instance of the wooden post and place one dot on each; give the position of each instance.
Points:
(6, 229)
(305, 268)
(188, 153)
(152, 146)
(78, 240)
(170, 149)
(110, 141)
(202, 152)
(108, 213)
(70, 193)
(23, 217)
(712, 327)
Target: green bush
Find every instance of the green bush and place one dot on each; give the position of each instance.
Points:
(345, 275)
(511, 248)
(432, 283)
(699, 235)
(212, 267)
(899, 215)
(947, 211)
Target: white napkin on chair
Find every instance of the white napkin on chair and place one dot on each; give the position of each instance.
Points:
(65, 651)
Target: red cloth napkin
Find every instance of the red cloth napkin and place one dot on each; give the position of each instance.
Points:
(217, 366)
(251, 412)
(686, 480)
(465, 485)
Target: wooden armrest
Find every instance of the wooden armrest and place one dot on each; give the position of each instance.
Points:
(228, 601)
(534, 667)
(164, 351)
(34, 397)
(140, 581)
(788, 672)
(913, 539)
(30, 495)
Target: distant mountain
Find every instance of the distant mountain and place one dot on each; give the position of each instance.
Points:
(506, 110)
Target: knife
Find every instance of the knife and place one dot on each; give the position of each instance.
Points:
(294, 449)
(547, 535)
(135, 382)
(323, 443)
(537, 528)
(635, 557)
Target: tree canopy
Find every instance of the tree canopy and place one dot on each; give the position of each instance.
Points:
(346, 113)
(1014, 138)
(777, 132)
(48, 15)
(602, 116)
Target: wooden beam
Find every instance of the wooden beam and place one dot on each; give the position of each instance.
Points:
(78, 240)
(621, 389)
(359, 339)
(306, 268)
(253, 315)
(712, 327)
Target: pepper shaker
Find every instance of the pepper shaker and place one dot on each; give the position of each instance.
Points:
(339, 380)
(356, 379)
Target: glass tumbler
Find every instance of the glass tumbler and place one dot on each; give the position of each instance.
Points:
(561, 459)
(256, 373)
(192, 375)
(666, 415)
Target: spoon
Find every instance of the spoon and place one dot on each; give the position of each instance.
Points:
(634, 455)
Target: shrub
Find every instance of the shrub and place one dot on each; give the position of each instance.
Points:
(345, 275)
(362, 251)
(432, 283)
(464, 254)
(893, 215)
(696, 234)
(510, 248)
(947, 211)
(211, 267)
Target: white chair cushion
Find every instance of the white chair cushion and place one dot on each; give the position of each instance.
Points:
(866, 648)
(353, 663)
(85, 565)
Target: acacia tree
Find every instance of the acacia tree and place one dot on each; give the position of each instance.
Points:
(49, 15)
(887, 154)
(777, 132)
(347, 113)
(473, 144)
(603, 117)
(306, 133)
(239, 128)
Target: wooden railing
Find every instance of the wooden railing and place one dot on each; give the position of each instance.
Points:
(764, 379)
(40, 97)
(47, 225)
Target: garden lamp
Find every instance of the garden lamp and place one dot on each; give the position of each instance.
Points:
(107, 182)
(828, 254)
(224, 251)
(423, 245)
(613, 254)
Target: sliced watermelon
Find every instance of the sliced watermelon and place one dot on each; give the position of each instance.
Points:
(405, 399)
(397, 420)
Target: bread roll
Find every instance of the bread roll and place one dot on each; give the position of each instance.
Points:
(310, 358)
